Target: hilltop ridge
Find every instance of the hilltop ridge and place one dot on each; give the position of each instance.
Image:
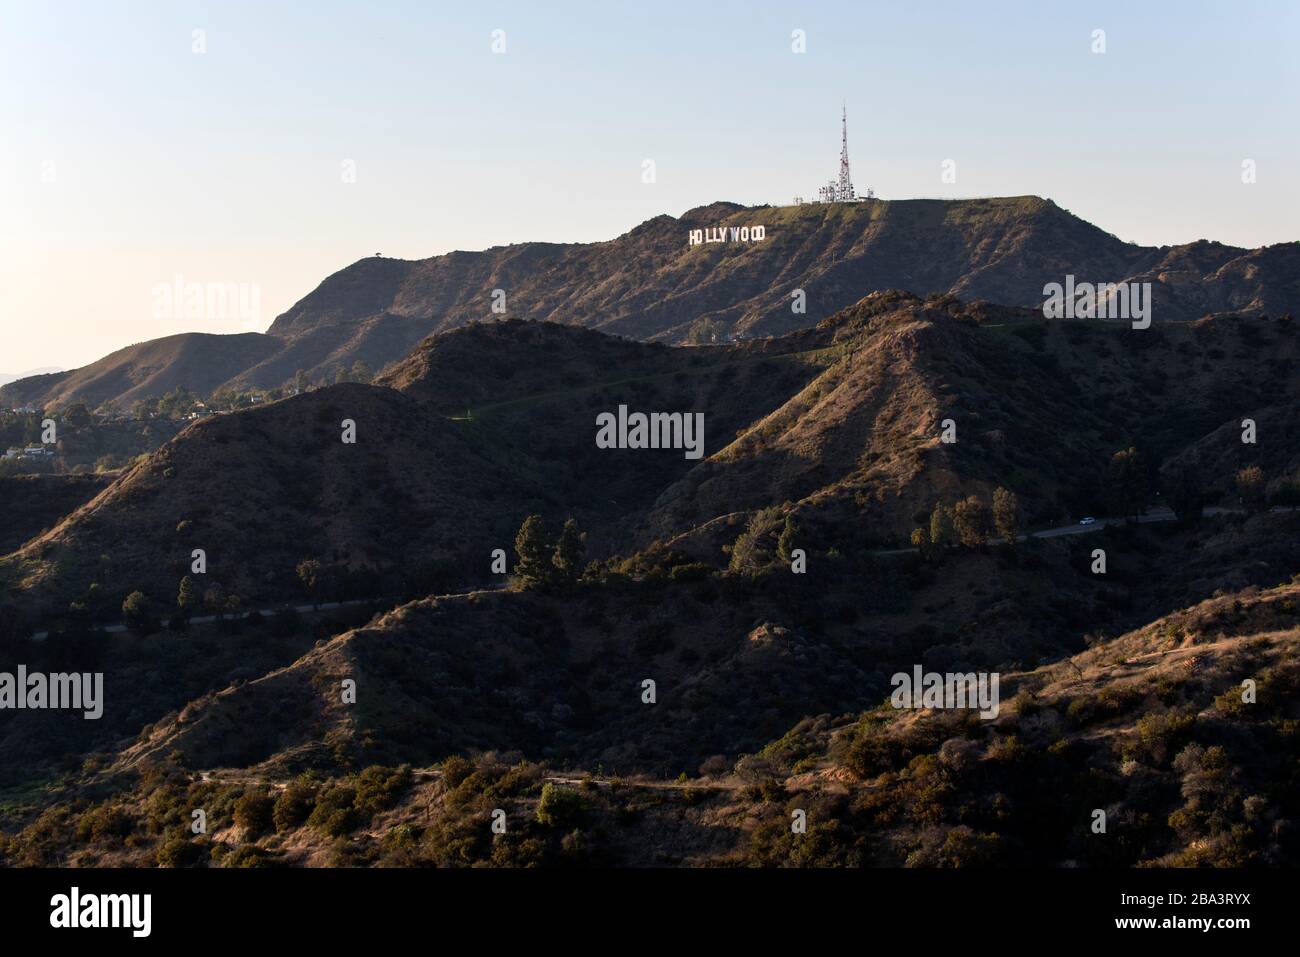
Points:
(837, 425)
(650, 284)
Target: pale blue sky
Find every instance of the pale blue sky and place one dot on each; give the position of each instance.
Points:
(225, 166)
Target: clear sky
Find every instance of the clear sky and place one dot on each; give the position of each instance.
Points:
(128, 159)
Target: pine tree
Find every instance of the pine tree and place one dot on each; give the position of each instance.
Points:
(748, 556)
(310, 575)
(972, 520)
(1006, 514)
(569, 551)
(941, 530)
(138, 615)
(534, 568)
(187, 599)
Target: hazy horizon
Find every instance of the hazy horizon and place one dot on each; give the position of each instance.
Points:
(137, 158)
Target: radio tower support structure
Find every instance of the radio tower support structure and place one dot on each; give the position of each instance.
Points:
(845, 185)
(841, 190)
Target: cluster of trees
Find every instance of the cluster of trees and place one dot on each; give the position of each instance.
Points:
(1257, 492)
(969, 522)
(1186, 494)
(543, 564)
(143, 617)
(213, 600)
(21, 429)
(1130, 489)
(323, 581)
(175, 404)
(76, 416)
(180, 402)
(15, 466)
(358, 372)
(244, 399)
(337, 581)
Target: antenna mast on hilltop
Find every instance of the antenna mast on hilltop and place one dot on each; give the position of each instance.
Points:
(845, 185)
(841, 190)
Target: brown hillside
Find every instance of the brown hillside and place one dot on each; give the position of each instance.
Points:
(842, 422)
(263, 489)
(200, 362)
(30, 504)
(649, 284)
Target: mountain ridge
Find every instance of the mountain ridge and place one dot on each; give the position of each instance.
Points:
(837, 426)
(649, 284)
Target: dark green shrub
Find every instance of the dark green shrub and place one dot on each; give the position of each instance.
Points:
(560, 807)
(378, 789)
(455, 770)
(335, 813)
(180, 852)
(294, 805)
(254, 814)
(104, 823)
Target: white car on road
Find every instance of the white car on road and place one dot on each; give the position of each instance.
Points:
(1089, 520)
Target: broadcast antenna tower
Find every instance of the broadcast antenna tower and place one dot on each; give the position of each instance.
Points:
(840, 190)
(845, 186)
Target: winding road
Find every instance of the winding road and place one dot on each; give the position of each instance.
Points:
(1163, 514)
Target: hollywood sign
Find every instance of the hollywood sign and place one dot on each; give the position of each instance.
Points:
(726, 234)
